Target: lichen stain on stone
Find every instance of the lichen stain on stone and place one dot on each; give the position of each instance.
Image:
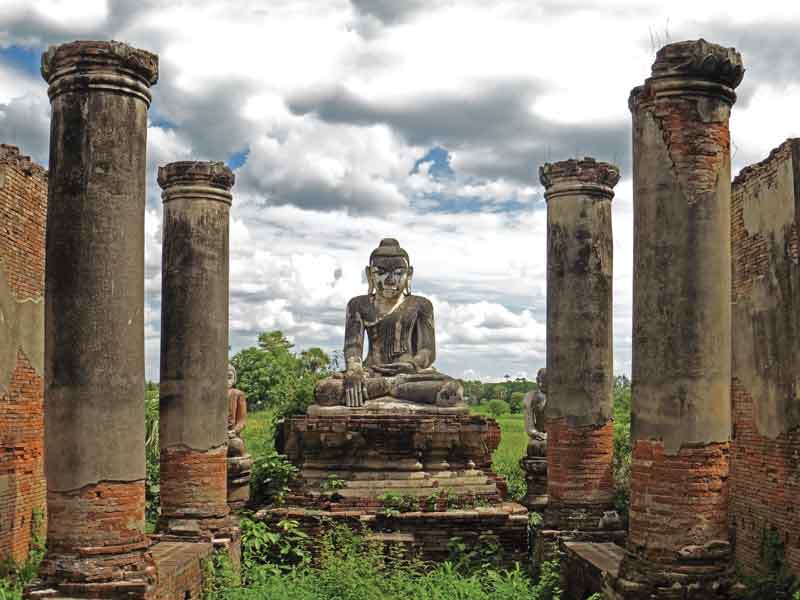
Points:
(22, 324)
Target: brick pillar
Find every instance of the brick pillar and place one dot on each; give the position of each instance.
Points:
(579, 411)
(194, 345)
(94, 322)
(681, 421)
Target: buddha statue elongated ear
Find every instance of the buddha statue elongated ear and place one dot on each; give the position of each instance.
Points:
(370, 281)
(407, 290)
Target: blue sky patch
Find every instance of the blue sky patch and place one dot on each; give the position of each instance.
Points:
(440, 158)
(27, 60)
(237, 159)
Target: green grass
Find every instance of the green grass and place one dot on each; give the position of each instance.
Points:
(513, 445)
(258, 435)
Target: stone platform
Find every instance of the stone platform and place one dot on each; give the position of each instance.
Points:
(414, 476)
(428, 534)
(174, 572)
(351, 459)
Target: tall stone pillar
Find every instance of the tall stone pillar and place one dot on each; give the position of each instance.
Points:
(194, 346)
(681, 419)
(94, 321)
(580, 429)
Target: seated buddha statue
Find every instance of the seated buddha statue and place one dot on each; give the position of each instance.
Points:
(402, 344)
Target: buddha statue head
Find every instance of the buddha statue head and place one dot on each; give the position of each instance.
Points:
(389, 272)
(231, 376)
(541, 380)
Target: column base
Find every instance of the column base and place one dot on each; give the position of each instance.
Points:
(702, 574)
(102, 572)
(567, 524)
(535, 469)
(239, 475)
(174, 571)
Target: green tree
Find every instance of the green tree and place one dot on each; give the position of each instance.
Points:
(272, 375)
(515, 404)
(498, 407)
(500, 391)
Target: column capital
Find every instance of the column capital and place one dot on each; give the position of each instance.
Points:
(579, 176)
(210, 180)
(692, 67)
(99, 65)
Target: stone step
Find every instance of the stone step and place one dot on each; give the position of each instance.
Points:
(417, 492)
(345, 475)
(427, 483)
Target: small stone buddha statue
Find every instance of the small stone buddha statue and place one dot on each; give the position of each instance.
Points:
(402, 345)
(534, 405)
(237, 415)
(239, 462)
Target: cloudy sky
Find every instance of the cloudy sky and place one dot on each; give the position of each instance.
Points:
(425, 120)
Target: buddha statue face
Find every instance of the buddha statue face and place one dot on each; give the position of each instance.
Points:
(389, 271)
(390, 276)
(231, 376)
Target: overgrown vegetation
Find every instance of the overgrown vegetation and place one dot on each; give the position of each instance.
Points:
(152, 505)
(15, 576)
(622, 446)
(351, 565)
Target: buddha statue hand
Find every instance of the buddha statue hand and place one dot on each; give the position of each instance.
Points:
(355, 386)
(396, 368)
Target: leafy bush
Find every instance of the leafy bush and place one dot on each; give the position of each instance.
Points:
(270, 477)
(622, 446)
(352, 566)
(152, 506)
(272, 549)
(515, 402)
(498, 407)
(394, 504)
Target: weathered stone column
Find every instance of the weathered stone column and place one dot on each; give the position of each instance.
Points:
(94, 321)
(681, 420)
(194, 346)
(580, 430)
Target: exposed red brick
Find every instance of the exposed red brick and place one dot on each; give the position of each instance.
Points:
(23, 208)
(765, 472)
(677, 500)
(194, 483)
(22, 485)
(107, 514)
(579, 464)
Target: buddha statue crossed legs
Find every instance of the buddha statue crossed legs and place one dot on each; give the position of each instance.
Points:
(402, 344)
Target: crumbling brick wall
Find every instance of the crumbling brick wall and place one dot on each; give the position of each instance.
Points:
(23, 206)
(765, 455)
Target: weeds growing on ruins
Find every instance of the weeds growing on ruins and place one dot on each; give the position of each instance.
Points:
(350, 566)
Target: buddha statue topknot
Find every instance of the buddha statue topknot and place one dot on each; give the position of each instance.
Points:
(397, 373)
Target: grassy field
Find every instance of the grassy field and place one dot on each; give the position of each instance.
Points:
(513, 444)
